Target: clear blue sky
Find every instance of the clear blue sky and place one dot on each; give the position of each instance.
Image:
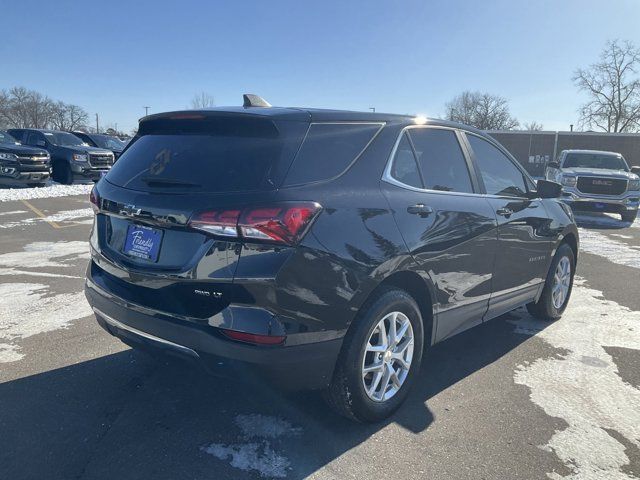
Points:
(406, 57)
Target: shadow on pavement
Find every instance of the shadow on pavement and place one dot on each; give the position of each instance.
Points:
(127, 415)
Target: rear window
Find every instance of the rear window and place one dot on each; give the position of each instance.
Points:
(328, 150)
(216, 154)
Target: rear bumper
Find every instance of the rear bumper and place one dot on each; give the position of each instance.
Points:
(306, 366)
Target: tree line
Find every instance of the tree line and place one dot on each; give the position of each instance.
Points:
(24, 108)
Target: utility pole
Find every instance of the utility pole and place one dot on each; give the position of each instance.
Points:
(97, 124)
(146, 111)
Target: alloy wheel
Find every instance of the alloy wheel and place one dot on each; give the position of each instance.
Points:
(561, 282)
(387, 358)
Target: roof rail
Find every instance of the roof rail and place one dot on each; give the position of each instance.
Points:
(251, 100)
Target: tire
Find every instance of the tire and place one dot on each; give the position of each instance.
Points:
(62, 173)
(547, 307)
(34, 185)
(347, 394)
(629, 216)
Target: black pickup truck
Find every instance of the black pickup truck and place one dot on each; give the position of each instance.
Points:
(101, 140)
(21, 165)
(71, 157)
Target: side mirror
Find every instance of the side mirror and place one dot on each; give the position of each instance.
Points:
(547, 189)
(41, 143)
(635, 170)
(553, 165)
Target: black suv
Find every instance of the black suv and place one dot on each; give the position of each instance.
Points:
(323, 249)
(71, 157)
(101, 140)
(22, 165)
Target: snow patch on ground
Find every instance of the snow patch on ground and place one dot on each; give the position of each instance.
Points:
(64, 216)
(257, 454)
(13, 212)
(582, 385)
(259, 457)
(69, 215)
(44, 254)
(27, 309)
(55, 190)
(613, 250)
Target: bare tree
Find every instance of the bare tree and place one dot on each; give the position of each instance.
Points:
(613, 86)
(533, 126)
(202, 100)
(481, 110)
(76, 116)
(65, 116)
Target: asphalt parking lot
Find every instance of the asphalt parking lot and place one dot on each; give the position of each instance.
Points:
(514, 398)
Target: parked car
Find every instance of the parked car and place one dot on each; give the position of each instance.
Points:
(100, 140)
(597, 181)
(22, 165)
(71, 157)
(323, 249)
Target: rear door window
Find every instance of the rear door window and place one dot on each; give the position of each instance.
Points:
(328, 150)
(405, 168)
(219, 154)
(441, 161)
(499, 174)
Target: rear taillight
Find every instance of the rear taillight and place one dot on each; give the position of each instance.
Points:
(217, 222)
(95, 200)
(279, 223)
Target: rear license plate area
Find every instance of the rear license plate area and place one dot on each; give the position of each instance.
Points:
(143, 242)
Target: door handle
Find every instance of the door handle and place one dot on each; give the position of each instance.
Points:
(420, 209)
(505, 212)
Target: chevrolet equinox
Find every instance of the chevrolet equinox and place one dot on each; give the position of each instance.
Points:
(320, 249)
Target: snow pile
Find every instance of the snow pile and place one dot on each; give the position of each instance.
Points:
(582, 385)
(53, 190)
(258, 456)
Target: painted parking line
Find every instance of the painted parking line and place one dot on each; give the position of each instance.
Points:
(39, 213)
(62, 219)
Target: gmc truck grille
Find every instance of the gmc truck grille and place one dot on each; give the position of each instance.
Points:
(101, 160)
(602, 185)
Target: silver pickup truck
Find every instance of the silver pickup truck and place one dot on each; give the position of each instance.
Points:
(597, 181)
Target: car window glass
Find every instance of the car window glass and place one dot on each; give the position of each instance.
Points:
(404, 167)
(499, 174)
(441, 160)
(328, 150)
(32, 138)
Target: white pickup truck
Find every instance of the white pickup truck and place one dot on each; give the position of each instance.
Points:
(597, 181)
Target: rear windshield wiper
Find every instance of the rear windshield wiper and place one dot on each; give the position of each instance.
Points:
(168, 182)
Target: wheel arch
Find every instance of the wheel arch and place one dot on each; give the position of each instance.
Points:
(570, 239)
(420, 291)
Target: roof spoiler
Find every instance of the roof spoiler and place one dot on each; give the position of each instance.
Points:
(251, 100)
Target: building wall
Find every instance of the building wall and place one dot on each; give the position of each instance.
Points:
(535, 149)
